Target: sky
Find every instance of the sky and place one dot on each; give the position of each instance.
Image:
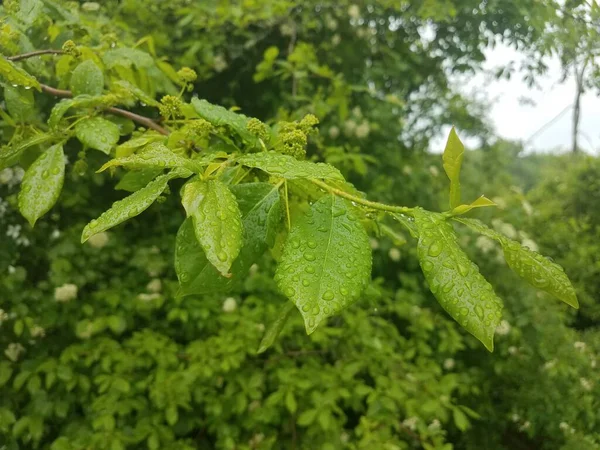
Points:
(518, 121)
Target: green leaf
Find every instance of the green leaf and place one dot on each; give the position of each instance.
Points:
(87, 78)
(137, 93)
(326, 261)
(275, 327)
(288, 167)
(15, 76)
(82, 101)
(129, 207)
(290, 402)
(137, 179)
(5, 372)
(20, 103)
(126, 57)
(453, 156)
(153, 156)
(261, 215)
(481, 202)
(454, 280)
(10, 155)
(217, 221)
(219, 116)
(532, 267)
(97, 133)
(460, 419)
(130, 146)
(42, 184)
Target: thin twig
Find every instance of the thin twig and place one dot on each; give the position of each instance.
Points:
(142, 120)
(35, 53)
(362, 201)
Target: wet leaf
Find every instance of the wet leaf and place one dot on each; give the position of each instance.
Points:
(42, 184)
(20, 103)
(481, 202)
(217, 221)
(261, 216)
(288, 167)
(153, 156)
(454, 279)
(532, 267)
(15, 76)
(326, 261)
(219, 116)
(129, 207)
(87, 78)
(97, 133)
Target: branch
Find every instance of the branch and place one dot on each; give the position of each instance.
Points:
(142, 120)
(35, 53)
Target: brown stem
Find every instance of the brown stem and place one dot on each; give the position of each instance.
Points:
(146, 121)
(35, 53)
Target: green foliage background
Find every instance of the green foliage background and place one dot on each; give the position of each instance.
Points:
(98, 351)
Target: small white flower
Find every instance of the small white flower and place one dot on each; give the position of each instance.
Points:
(56, 234)
(332, 24)
(154, 285)
(286, 29)
(349, 127)
(513, 350)
(334, 132)
(3, 316)
(410, 423)
(6, 175)
(148, 297)
(11, 270)
(99, 240)
(435, 425)
(515, 417)
(593, 363)
(374, 243)
(357, 112)
(503, 328)
(13, 231)
(229, 305)
(336, 39)
(13, 351)
(585, 384)
(219, 63)
(37, 331)
(434, 171)
(505, 228)
(18, 173)
(527, 207)
(253, 269)
(500, 202)
(525, 426)
(485, 244)
(90, 6)
(564, 426)
(363, 130)
(530, 244)
(550, 364)
(579, 345)
(394, 254)
(407, 170)
(449, 364)
(65, 293)
(354, 11)
(260, 327)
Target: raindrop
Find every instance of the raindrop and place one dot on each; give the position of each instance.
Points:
(435, 249)
(309, 256)
(328, 295)
(222, 256)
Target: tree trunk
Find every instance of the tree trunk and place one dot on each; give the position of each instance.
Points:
(577, 107)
